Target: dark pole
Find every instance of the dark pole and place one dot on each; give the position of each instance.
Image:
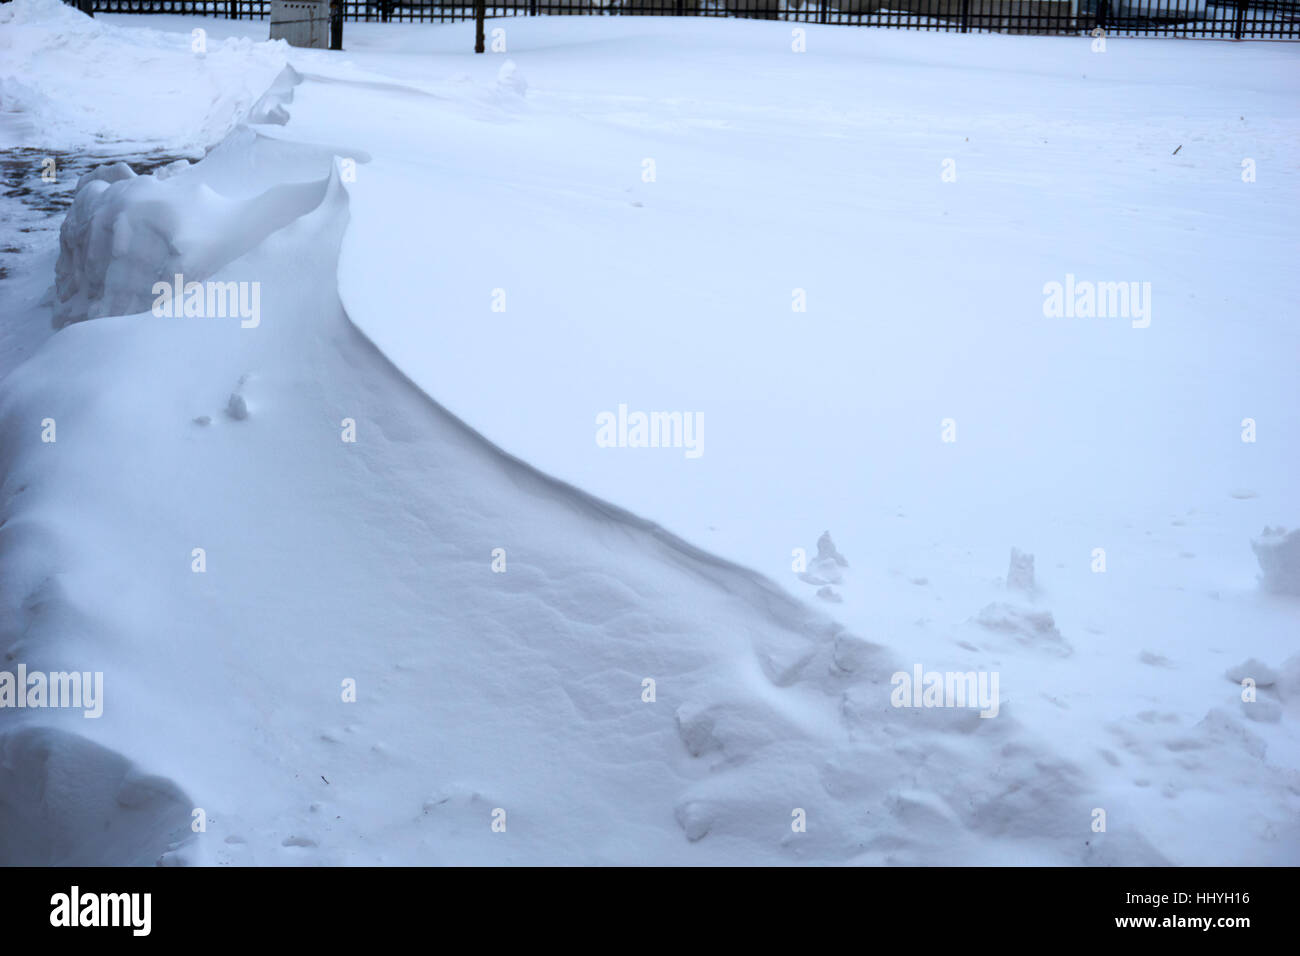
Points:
(336, 25)
(480, 10)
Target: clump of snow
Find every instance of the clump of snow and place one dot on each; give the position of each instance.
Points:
(1278, 553)
(828, 593)
(1258, 671)
(1219, 726)
(825, 567)
(1020, 572)
(509, 79)
(171, 169)
(236, 407)
(106, 173)
(272, 106)
(1262, 710)
(1030, 628)
(1288, 684)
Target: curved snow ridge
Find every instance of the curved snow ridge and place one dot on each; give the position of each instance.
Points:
(128, 239)
(353, 630)
(120, 239)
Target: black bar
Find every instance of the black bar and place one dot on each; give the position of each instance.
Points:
(925, 908)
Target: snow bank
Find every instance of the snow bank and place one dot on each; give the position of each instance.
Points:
(68, 80)
(523, 690)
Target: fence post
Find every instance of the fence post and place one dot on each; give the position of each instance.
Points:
(336, 24)
(1103, 7)
(1239, 27)
(532, 8)
(479, 13)
(233, 12)
(965, 16)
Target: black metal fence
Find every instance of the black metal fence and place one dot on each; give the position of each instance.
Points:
(1223, 19)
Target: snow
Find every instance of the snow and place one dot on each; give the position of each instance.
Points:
(53, 56)
(1279, 559)
(383, 201)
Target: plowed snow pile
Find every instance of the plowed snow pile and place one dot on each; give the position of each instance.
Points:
(308, 471)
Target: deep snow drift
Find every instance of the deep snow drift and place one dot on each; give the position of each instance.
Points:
(498, 625)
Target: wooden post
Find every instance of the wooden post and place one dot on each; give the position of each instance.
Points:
(480, 11)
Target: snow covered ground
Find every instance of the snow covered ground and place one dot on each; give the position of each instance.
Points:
(835, 263)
